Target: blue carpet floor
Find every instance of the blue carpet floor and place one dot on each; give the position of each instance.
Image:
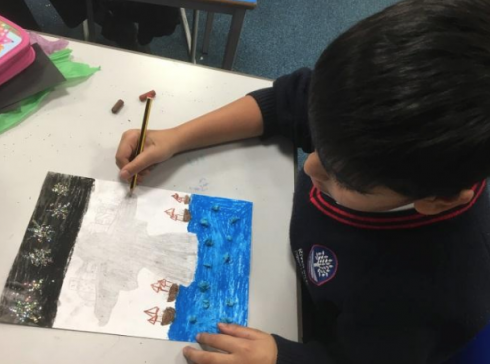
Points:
(278, 36)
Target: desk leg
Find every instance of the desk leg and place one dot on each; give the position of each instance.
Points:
(195, 30)
(89, 26)
(207, 32)
(233, 38)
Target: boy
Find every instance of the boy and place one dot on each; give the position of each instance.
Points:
(391, 222)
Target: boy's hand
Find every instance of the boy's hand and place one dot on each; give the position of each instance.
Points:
(159, 146)
(241, 345)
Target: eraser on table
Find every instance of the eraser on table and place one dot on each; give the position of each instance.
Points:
(117, 106)
(151, 94)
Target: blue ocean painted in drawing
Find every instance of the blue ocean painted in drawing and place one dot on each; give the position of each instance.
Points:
(219, 292)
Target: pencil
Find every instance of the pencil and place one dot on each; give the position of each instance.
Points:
(141, 141)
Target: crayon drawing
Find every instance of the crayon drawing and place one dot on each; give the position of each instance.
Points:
(158, 264)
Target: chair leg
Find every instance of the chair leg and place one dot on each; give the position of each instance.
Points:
(195, 31)
(233, 38)
(89, 24)
(207, 32)
(186, 29)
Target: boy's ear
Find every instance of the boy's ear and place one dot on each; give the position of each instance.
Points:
(436, 205)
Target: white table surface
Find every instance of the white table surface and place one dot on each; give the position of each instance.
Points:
(75, 132)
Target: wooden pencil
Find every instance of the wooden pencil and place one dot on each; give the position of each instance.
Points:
(141, 141)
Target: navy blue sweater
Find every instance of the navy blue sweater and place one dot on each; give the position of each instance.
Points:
(386, 288)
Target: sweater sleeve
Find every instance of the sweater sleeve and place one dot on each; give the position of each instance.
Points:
(290, 352)
(284, 108)
(359, 344)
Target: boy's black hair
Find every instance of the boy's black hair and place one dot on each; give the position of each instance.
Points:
(402, 99)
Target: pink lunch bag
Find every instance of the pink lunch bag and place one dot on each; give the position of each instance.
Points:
(16, 52)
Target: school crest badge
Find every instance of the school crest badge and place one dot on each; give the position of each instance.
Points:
(322, 265)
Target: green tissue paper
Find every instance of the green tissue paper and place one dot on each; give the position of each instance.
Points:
(70, 70)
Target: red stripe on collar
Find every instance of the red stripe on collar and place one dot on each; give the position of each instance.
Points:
(395, 220)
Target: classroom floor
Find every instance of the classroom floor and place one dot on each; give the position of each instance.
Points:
(278, 36)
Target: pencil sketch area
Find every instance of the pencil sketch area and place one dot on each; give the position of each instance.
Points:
(130, 256)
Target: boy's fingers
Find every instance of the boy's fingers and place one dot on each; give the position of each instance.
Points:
(205, 357)
(142, 175)
(218, 341)
(121, 161)
(240, 331)
(140, 163)
(127, 145)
